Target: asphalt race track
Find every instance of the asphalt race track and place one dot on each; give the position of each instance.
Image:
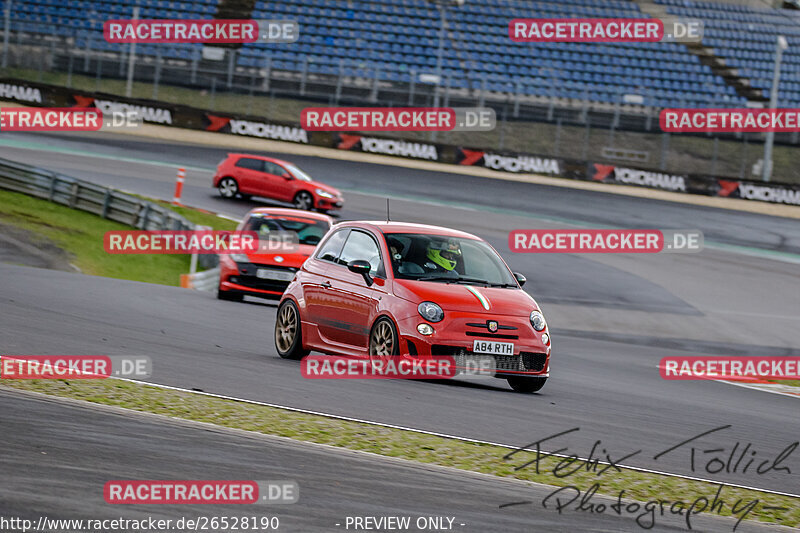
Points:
(612, 317)
(79, 449)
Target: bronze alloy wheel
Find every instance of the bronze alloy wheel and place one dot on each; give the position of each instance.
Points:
(383, 340)
(286, 328)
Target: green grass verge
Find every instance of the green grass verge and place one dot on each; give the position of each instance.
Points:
(197, 216)
(80, 234)
(403, 444)
(792, 382)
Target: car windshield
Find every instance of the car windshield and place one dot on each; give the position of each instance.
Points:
(444, 259)
(297, 173)
(308, 230)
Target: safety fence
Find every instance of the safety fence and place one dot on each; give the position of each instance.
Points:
(635, 171)
(103, 201)
(207, 280)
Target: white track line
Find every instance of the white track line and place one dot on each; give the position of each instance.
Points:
(432, 433)
(446, 436)
(774, 388)
(764, 387)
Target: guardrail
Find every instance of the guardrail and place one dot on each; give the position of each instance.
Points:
(201, 281)
(103, 201)
(585, 167)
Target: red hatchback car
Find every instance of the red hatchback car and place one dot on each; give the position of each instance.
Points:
(411, 290)
(255, 175)
(267, 274)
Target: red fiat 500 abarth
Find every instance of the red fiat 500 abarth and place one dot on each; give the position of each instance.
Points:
(387, 288)
(267, 273)
(255, 175)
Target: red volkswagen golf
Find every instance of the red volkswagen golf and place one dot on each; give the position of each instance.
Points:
(286, 237)
(411, 290)
(255, 175)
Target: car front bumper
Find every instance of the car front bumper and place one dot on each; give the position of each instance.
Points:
(330, 204)
(242, 278)
(455, 336)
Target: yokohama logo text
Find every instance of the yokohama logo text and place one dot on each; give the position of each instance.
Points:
(17, 92)
(269, 131)
(401, 148)
(521, 163)
(777, 195)
(650, 179)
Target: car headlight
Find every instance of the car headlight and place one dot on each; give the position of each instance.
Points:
(324, 194)
(240, 258)
(537, 320)
(430, 312)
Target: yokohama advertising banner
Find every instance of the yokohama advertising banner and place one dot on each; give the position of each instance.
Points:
(173, 115)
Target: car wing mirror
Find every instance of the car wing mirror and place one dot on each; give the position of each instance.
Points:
(521, 279)
(360, 266)
(286, 176)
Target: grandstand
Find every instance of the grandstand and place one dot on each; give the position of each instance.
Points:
(83, 20)
(745, 38)
(396, 40)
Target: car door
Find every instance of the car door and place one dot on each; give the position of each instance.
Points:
(352, 303)
(315, 284)
(248, 174)
(282, 187)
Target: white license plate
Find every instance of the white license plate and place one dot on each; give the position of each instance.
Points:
(492, 347)
(268, 273)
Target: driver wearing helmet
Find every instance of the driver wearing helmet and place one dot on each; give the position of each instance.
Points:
(443, 256)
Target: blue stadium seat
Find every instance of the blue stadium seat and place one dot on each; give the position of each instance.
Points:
(400, 35)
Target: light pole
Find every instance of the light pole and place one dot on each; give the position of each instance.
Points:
(440, 52)
(442, 6)
(131, 59)
(7, 17)
(766, 167)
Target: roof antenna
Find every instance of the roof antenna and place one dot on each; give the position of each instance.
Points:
(388, 219)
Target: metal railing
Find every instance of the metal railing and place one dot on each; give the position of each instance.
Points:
(615, 132)
(201, 281)
(103, 201)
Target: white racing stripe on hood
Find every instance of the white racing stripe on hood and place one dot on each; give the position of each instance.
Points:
(481, 298)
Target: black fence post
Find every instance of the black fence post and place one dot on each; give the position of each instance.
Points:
(106, 203)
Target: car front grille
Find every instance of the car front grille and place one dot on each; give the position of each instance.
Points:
(247, 277)
(253, 282)
(491, 335)
(525, 361)
(488, 334)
